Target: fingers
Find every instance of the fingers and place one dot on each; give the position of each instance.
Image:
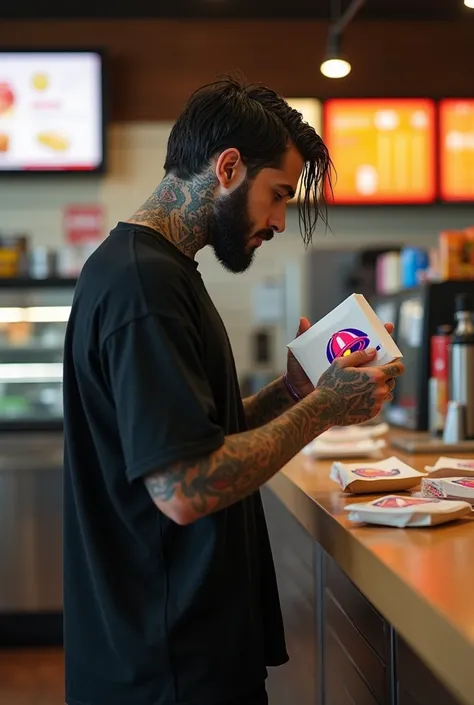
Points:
(393, 369)
(303, 326)
(356, 359)
(383, 392)
(389, 327)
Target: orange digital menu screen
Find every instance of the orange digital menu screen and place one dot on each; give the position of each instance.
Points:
(383, 150)
(456, 149)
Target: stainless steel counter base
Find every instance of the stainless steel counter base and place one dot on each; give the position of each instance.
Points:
(31, 523)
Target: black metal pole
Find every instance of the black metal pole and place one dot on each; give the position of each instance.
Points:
(349, 14)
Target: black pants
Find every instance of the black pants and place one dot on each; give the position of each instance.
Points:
(256, 697)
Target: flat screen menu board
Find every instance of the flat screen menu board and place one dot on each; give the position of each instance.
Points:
(51, 111)
(456, 149)
(383, 150)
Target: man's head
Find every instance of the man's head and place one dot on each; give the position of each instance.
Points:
(248, 149)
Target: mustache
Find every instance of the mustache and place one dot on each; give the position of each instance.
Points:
(266, 235)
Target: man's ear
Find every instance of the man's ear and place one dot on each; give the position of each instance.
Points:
(230, 170)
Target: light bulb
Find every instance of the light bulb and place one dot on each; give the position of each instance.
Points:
(469, 3)
(337, 68)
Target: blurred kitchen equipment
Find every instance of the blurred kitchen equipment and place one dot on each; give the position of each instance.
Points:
(439, 379)
(461, 360)
(418, 315)
(454, 428)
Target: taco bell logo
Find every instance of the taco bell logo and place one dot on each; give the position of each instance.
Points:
(345, 342)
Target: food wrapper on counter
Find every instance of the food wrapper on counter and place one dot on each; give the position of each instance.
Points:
(319, 448)
(457, 488)
(451, 467)
(351, 326)
(390, 475)
(347, 434)
(405, 512)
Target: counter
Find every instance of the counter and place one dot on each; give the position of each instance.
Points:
(31, 538)
(393, 614)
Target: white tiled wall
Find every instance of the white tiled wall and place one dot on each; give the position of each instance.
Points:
(136, 156)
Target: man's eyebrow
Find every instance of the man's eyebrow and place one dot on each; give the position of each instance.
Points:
(288, 188)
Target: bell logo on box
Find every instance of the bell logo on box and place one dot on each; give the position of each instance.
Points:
(401, 503)
(467, 464)
(465, 482)
(345, 342)
(376, 472)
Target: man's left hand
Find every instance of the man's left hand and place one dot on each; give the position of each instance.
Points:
(296, 375)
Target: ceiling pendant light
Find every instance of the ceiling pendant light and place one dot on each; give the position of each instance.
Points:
(335, 65)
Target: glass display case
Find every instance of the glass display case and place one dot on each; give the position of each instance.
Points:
(33, 318)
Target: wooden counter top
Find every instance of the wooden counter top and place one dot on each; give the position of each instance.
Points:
(420, 580)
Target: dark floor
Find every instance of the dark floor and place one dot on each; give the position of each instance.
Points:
(31, 677)
(36, 677)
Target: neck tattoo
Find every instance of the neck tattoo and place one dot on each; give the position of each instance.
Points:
(180, 211)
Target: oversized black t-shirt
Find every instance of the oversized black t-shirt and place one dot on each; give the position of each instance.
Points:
(155, 613)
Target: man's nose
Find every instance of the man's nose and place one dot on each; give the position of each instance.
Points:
(278, 223)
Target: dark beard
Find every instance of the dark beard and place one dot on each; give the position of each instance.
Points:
(230, 229)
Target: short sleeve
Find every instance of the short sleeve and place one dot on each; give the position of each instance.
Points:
(164, 405)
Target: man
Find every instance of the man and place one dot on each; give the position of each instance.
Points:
(169, 587)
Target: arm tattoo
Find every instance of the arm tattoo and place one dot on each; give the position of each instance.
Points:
(245, 461)
(267, 404)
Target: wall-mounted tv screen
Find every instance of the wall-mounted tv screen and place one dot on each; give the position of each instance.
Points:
(456, 149)
(383, 150)
(51, 111)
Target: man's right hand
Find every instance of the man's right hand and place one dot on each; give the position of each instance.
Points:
(358, 392)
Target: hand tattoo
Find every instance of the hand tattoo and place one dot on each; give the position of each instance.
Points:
(354, 390)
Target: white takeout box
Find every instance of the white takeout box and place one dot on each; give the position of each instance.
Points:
(389, 475)
(402, 512)
(451, 467)
(351, 326)
(457, 488)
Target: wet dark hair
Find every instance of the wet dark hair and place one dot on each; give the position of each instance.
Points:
(261, 125)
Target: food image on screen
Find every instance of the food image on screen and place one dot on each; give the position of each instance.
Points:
(40, 81)
(53, 141)
(7, 97)
(383, 149)
(57, 120)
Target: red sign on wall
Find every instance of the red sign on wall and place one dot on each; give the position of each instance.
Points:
(84, 223)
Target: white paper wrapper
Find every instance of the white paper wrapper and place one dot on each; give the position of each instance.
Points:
(451, 467)
(389, 475)
(404, 512)
(346, 434)
(352, 449)
(449, 488)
